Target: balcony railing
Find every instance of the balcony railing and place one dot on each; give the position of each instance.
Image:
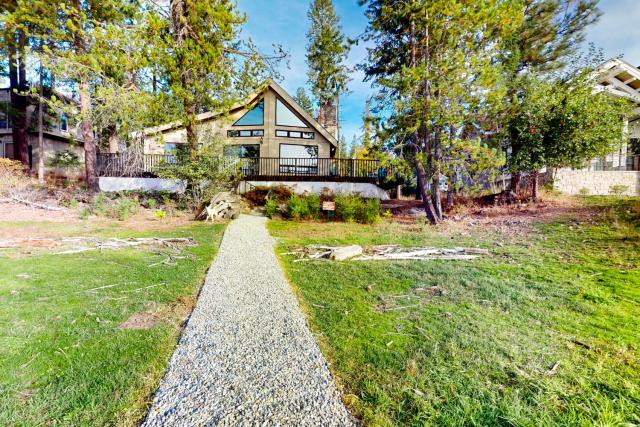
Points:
(615, 163)
(259, 168)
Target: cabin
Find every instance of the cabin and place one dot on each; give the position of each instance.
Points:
(273, 139)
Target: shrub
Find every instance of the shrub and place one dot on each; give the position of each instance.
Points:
(151, 203)
(259, 195)
(271, 207)
(369, 211)
(99, 205)
(297, 208)
(73, 203)
(315, 206)
(84, 214)
(125, 208)
(387, 214)
(160, 214)
(347, 207)
(584, 191)
(618, 190)
(12, 176)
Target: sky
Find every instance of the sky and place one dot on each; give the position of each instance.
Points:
(285, 22)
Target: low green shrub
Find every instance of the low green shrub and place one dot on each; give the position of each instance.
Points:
(618, 189)
(347, 207)
(315, 206)
(151, 203)
(100, 204)
(160, 214)
(271, 207)
(125, 208)
(297, 208)
(368, 211)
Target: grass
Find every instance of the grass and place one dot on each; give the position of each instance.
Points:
(64, 360)
(544, 332)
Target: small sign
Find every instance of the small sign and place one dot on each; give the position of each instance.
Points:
(328, 206)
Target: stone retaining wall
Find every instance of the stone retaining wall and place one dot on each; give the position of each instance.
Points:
(140, 184)
(597, 183)
(361, 189)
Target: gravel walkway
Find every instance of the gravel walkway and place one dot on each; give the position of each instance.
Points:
(246, 356)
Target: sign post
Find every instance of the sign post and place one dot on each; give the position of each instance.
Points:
(329, 207)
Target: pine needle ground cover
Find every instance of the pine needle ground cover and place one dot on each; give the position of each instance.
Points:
(86, 337)
(543, 332)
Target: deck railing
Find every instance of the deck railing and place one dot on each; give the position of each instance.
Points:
(615, 163)
(259, 168)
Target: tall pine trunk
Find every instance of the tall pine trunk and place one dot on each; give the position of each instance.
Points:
(40, 127)
(515, 183)
(86, 125)
(19, 102)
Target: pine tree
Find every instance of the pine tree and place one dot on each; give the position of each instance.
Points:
(550, 33)
(436, 63)
(304, 101)
(327, 51)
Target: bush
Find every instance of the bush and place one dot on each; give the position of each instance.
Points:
(99, 205)
(584, 191)
(271, 208)
(347, 207)
(151, 203)
(369, 211)
(353, 208)
(125, 208)
(160, 214)
(259, 195)
(618, 190)
(315, 206)
(297, 208)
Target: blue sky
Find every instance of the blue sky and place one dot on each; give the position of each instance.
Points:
(285, 22)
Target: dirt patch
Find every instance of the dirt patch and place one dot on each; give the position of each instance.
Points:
(175, 312)
(140, 321)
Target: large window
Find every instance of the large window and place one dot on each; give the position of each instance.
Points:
(286, 117)
(253, 117)
(242, 151)
(298, 159)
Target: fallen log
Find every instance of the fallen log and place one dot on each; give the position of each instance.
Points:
(34, 204)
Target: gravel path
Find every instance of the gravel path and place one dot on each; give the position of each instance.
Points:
(246, 356)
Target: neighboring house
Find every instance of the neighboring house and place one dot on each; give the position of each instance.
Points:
(58, 135)
(618, 78)
(275, 141)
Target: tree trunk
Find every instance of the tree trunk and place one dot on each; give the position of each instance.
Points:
(515, 183)
(18, 84)
(86, 128)
(427, 203)
(40, 129)
(535, 187)
(86, 124)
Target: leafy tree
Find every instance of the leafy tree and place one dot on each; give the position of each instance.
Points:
(304, 101)
(207, 66)
(327, 51)
(550, 33)
(562, 123)
(437, 62)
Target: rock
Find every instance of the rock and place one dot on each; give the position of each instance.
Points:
(346, 252)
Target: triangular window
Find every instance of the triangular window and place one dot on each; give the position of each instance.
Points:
(253, 117)
(286, 117)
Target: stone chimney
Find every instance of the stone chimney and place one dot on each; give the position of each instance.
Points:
(327, 118)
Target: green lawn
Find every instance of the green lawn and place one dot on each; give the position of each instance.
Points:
(544, 332)
(63, 358)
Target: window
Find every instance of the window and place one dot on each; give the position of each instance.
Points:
(175, 149)
(298, 159)
(253, 117)
(298, 151)
(242, 151)
(63, 122)
(240, 133)
(286, 117)
(294, 134)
